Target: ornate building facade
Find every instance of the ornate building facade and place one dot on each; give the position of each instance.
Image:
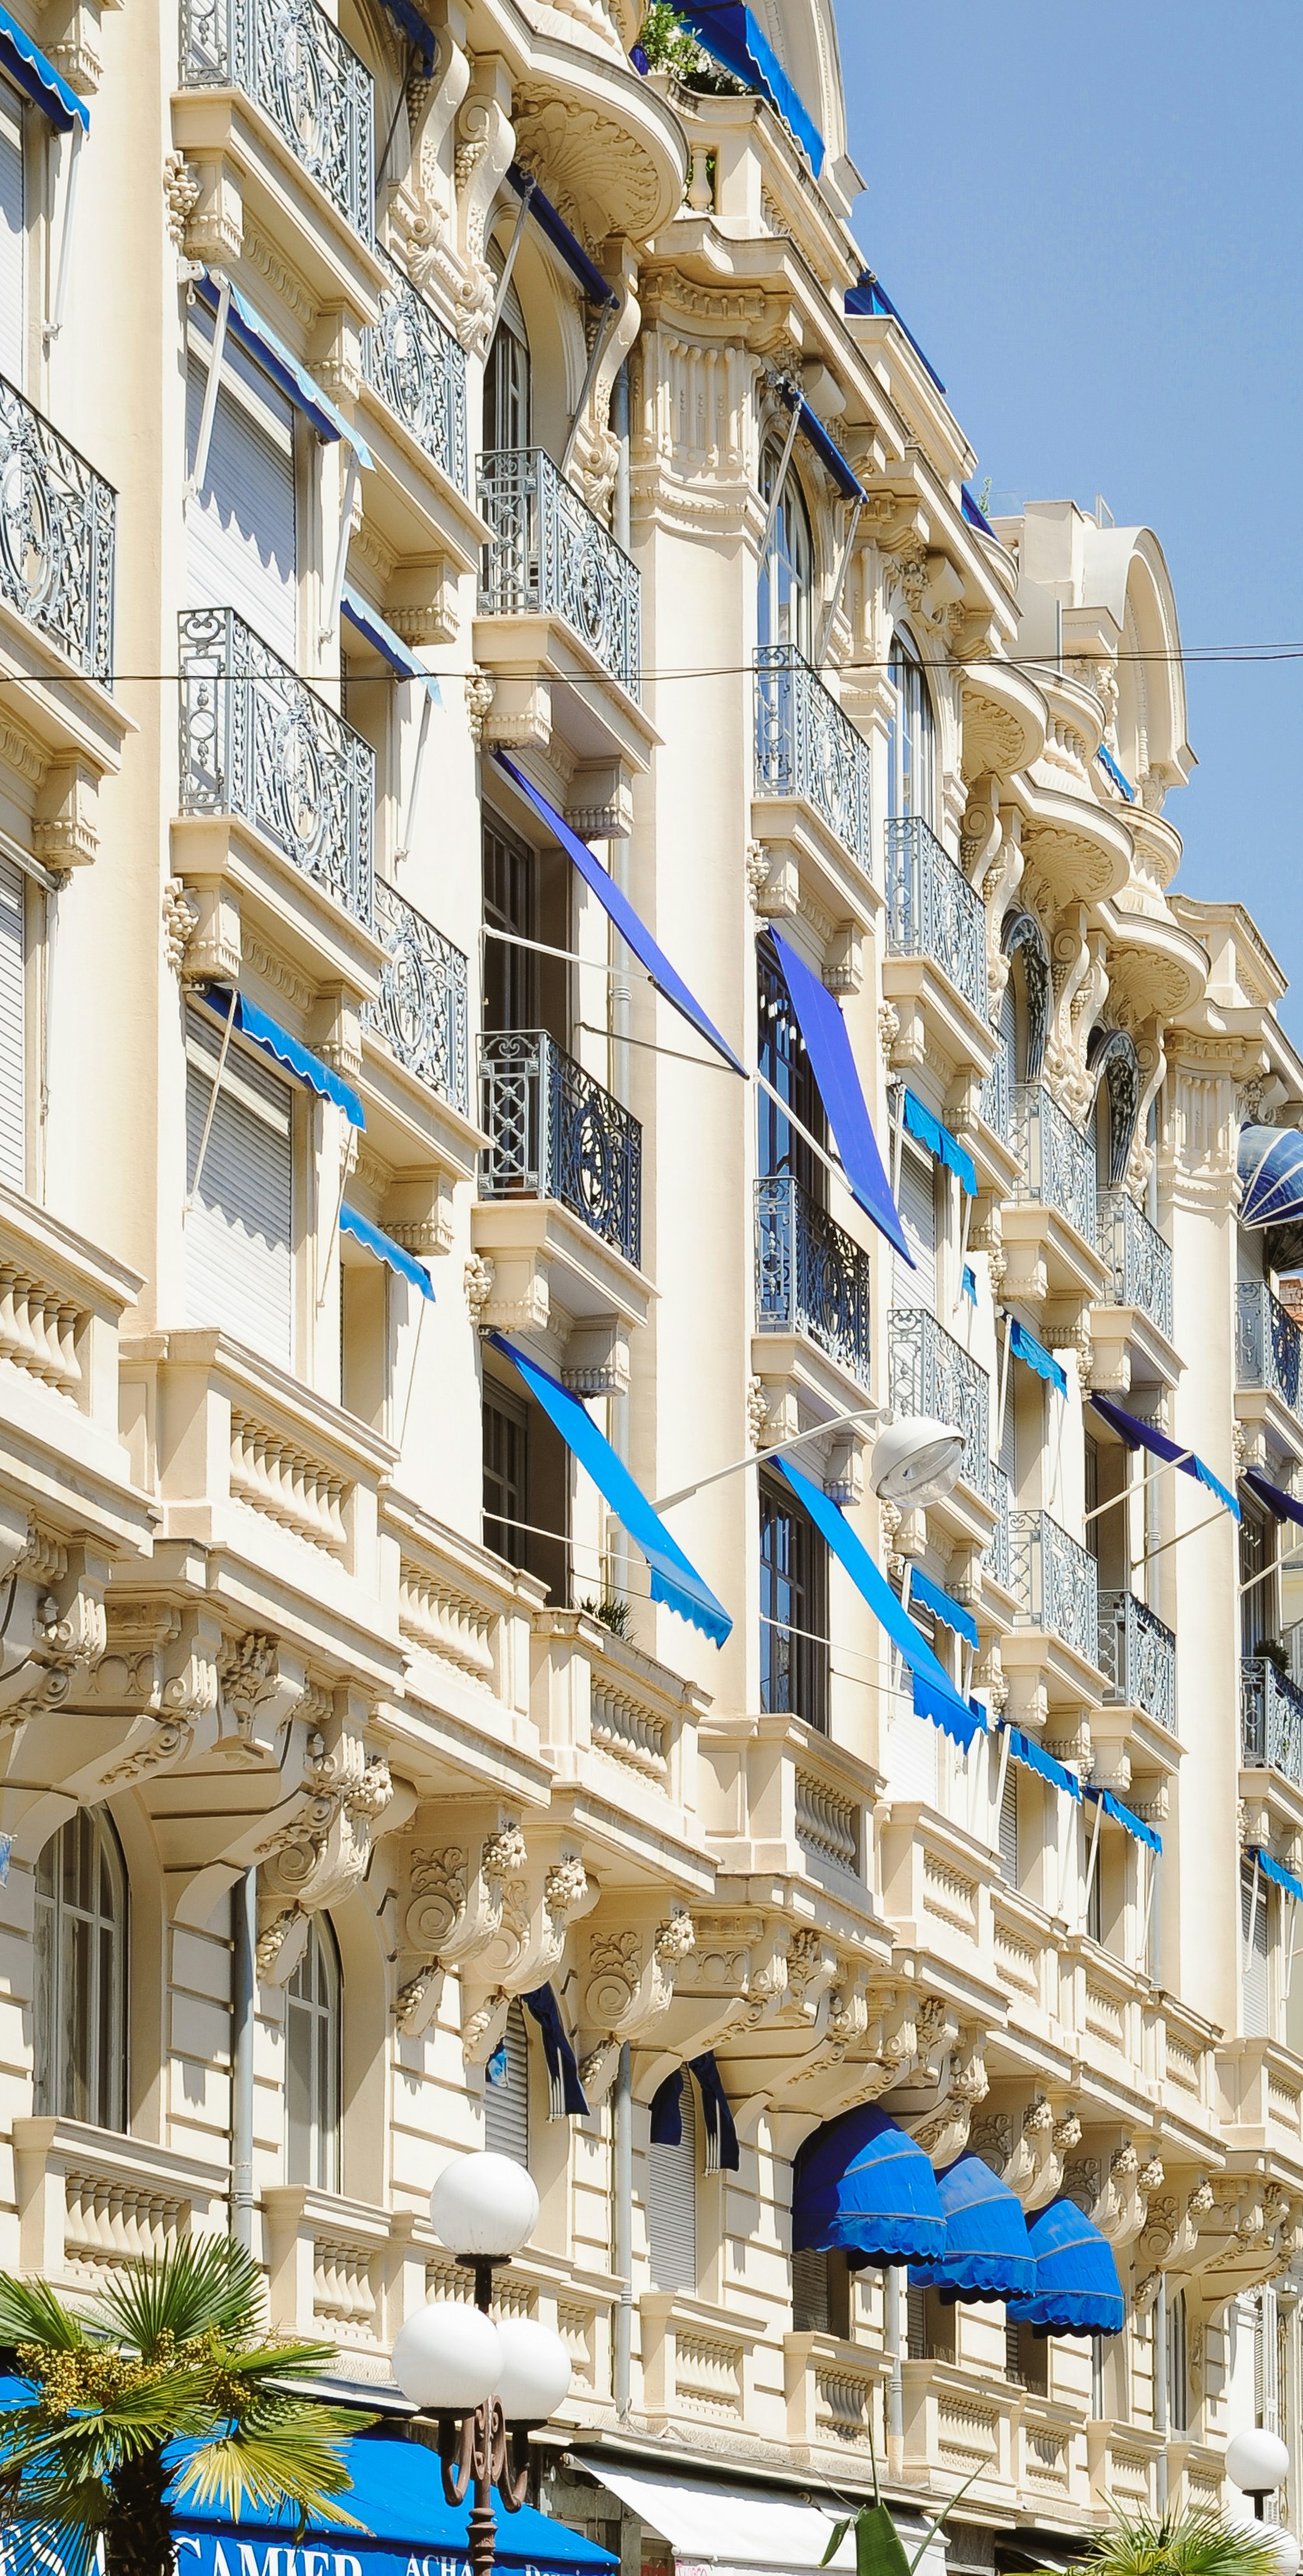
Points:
(437, 435)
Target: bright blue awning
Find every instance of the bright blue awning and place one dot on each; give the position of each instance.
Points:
(1285, 1506)
(1106, 761)
(352, 1222)
(1270, 1165)
(32, 71)
(987, 2254)
(416, 31)
(673, 1580)
(825, 447)
(951, 1614)
(1077, 2287)
(729, 32)
(928, 1130)
(862, 2184)
(973, 512)
(1272, 1869)
(1139, 1434)
(601, 883)
(389, 646)
(970, 1284)
(842, 1093)
(1025, 1749)
(262, 1031)
(280, 363)
(870, 297)
(935, 1695)
(567, 2099)
(597, 288)
(1131, 1824)
(1034, 1355)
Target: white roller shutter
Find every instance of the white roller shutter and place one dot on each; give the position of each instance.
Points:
(916, 1199)
(912, 1753)
(13, 239)
(672, 2203)
(1008, 1828)
(506, 2091)
(1253, 1952)
(239, 1232)
(241, 531)
(13, 1028)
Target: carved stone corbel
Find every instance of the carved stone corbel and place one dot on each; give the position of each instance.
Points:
(322, 1856)
(486, 145)
(628, 1987)
(539, 1905)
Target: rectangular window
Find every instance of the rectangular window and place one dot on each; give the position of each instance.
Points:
(917, 1202)
(821, 2294)
(793, 1609)
(1255, 1898)
(506, 2091)
(13, 1026)
(1009, 1870)
(364, 1335)
(1027, 2358)
(239, 1230)
(13, 240)
(506, 1475)
(511, 975)
(526, 1489)
(672, 2202)
(1178, 2373)
(241, 527)
(786, 1066)
(931, 2326)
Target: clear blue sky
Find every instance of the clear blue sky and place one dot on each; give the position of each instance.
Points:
(1093, 222)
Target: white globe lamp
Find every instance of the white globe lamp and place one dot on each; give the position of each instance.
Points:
(534, 2377)
(447, 2358)
(1257, 2462)
(916, 1461)
(484, 2207)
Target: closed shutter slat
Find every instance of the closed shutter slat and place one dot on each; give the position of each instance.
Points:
(241, 526)
(506, 2093)
(13, 1029)
(672, 2203)
(13, 239)
(239, 1233)
(1254, 1956)
(1009, 1829)
(916, 1199)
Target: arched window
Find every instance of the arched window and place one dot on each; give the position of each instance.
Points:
(507, 379)
(313, 2062)
(1023, 942)
(787, 573)
(911, 735)
(80, 2001)
(1113, 1060)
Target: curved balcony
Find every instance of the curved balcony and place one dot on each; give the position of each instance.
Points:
(549, 555)
(56, 538)
(556, 1134)
(411, 360)
(931, 1373)
(1137, 1656)
(807, 748)
(421, 1013)
(1138, 1258)
(1056, 1582)
(1268, 1344)
(933, 911)
(811, 1277)
(1271, 1720)
(291, 61)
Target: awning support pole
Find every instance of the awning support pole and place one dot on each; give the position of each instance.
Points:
(895, 2391)
(222, 1054)
(422, 737)
(351, 472)
(829, 618)
(1004, 1387)
(522, 218)
(601, 336)
(211, 390)
(776, 496)
(55, 324)
(1090, 1864)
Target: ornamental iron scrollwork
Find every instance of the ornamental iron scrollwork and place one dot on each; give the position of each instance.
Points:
(1271, 1719)
(811, 1276)
(1056, 1160)
(555, 1133)
(291, 60)
(1268, 1343)
(549, 553)
(932, 911)
(422, 1011)
(1057, 1583)
(411, 360)
(1137, 1656)
(56, 538)
(1138, 1256)
(807, 747)
(932, 1374)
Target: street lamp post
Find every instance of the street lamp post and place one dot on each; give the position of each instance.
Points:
(1258, 2462)
(483, 2382)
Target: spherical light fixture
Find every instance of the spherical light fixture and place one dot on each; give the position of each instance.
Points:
(1257, 2461)
(447, 2358)
(917, 1461)
(534, 2376)
(484, 2206)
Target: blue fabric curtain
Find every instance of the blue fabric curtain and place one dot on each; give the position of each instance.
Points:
(33, 73)
(952, 1614)
(280, 363)
(928, 1131)
(1025, 1749)
(1131, 1824)
(566, 2097)
(935, 1695)
(585, 271)
(391, 647)
(729, 32)
(1034, 1355)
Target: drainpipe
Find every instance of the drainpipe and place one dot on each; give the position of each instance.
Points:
(1160, 2388)
(620, 997)
(244, 1933)
(622, 2232)
(895, 2321)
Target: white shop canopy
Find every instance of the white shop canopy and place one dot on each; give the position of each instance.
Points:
(743, 2531)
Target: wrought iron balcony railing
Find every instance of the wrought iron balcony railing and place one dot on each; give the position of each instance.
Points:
(997, 1097)
(811, 1277)
(1137, 1656)
(931, 1373)
(1268, 1343)
(421, 1013)
(549, 553)
(291, 60)
(998, 1556)
(258, 743)
(806, 747)
(932, 911)
(1057, 1159)
(410, 358)
(1138, 1258)
(555, 1134)
(56, 538)
(1055, 1580)
(1271, 1719)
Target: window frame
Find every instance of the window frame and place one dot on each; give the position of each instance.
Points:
(911, 734)
(799, 1689)
(323, 2137)
(788, 573)
(96, 2027)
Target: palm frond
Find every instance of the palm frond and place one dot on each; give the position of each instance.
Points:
(200, 2285)
(288, 2461)
(60, 2532)
(279, 2361)
(31, 2313)
(1194, 2543)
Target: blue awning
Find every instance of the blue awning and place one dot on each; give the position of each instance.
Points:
(862, 2184)
(1077, 2287)
(673, 1580)
(1279, 1876)
(1025, 1749)
(970, 1284)
(951, 1614)
(285, 370)
(600, 882)
(973, 512)
(416, 31)
(935, 1695)
(1131, 1824)
(1285, 1506)
(262, 1031)
(729, 32)
(1270, 1165)
(988, 2253)
(34, 73)
(825, 447)
(389, 646)
(1106, 761)
(945, 1148)
(723, 2153)
(597, 288)
(870, 298)
(1144, 1435)
(1034, 1355)
(353, 1223)
(841, 1091)
(567, 2099)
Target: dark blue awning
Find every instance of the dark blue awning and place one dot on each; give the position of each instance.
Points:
(935, 1695)
(600, 882)
(723, 2153)
(1279, 1876)
(352, 1222)
(729, 32)
(280, 363)
(266, 1033)
(1131, 1824)
(1270, 1165)
(951, 1614)
(825, 447)
(927, 1130)
(567, 2099)
(1077, 2287)
(987, 2251)
(585, 271)
(418, 35)
(673, 1580)
(1139, 1434)
(34, 73)
(974, 513)
(869, 298)
(842, 1093)
(1025, 1749)
(861, 2183)
(391, 648)
(1286, 1507)
(1034, 1355)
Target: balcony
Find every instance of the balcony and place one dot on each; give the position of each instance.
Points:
(412, 362)
(998, 1557)
(1138, 1258)
(1057, 1159)
(549, 556)
(291, 61)
(1055, 1581)
(1271, 1720)
(807, 749)
(1137, 1656)
(933, 911)
(1051, 1224)
(997, 1098)
(556, 1134)
(259, 746)
(1268, 1344)
(930, 1373)
(811, 1277)
(421, 1013)
(56, 538)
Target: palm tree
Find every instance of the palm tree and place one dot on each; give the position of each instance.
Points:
(1196, 2542)
(163, 2390)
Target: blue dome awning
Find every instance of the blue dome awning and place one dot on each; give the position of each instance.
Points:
(988, 2252)
(1077, 2287)
(1270, 1165)
(861, 2183)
